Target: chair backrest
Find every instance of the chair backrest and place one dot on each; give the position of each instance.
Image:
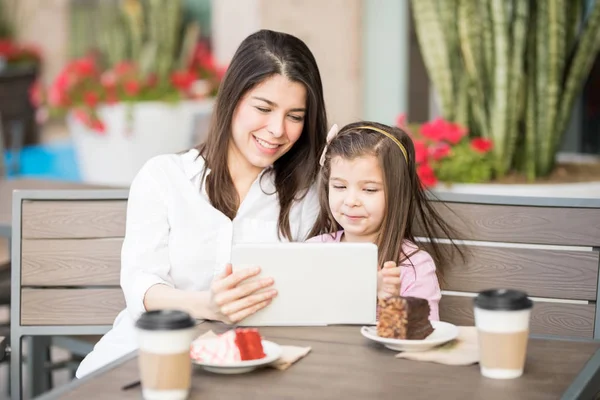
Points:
(548, 247)
(66, 260)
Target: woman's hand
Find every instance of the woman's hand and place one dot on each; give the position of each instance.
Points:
(231, 299)
(388, 280)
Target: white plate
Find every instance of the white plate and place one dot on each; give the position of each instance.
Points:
(442, 332)
(272, 352)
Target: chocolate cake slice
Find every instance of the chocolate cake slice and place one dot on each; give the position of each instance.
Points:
(404, 318)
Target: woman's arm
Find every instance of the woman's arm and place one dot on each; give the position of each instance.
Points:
(145, 254)
(160, 297)
(145, 263)
(229, 299)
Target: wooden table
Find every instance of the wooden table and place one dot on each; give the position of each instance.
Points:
(8, 186)
(344, 365)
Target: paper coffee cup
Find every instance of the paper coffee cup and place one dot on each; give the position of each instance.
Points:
(502, 320)
(164, 339)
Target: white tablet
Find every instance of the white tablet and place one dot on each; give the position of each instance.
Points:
(317, 283)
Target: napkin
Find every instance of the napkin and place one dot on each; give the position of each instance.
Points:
(289, 354)
(464, 350)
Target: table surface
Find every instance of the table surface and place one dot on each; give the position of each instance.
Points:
(7, 186)
(343, 364)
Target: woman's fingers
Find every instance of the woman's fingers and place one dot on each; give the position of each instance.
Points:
(241, 291)
(247, 303)
(240, 315)
(231, 280)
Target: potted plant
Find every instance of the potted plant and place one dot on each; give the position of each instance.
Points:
(139, 94)
(20, 65)
(510, 71)
(445, 153)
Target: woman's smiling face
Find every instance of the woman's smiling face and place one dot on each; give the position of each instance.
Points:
(267, 122)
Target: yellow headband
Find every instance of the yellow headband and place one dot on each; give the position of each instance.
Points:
(384, 133)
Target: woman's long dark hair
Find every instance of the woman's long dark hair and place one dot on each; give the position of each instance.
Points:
(409, 214)
(260, 56)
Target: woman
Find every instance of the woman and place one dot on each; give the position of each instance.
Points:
(252, 180)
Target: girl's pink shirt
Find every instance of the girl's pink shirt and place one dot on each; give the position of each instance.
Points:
(418, 278)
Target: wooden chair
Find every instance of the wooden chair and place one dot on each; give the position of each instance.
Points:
(548, 247)
(66, 263)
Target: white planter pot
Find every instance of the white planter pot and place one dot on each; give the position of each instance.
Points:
(115, 156)
(570, 190)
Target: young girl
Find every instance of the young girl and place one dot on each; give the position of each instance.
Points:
(370, 192)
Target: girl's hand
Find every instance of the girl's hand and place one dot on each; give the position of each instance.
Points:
(388, 280)
(232, 299)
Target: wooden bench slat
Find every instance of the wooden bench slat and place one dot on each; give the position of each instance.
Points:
(523, 224)
(70, 306)
(541, 273)
(65, 219)
(560, 319)
(71, 262)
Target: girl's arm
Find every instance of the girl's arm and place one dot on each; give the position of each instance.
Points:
(421, 281)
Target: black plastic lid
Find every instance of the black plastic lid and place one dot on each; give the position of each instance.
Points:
(503, 300)
(165, 320)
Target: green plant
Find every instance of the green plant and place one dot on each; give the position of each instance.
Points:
(151, 33)
(510, 70)
(7, 29)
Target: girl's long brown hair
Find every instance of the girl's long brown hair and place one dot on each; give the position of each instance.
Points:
(260, 56)
(409, 214)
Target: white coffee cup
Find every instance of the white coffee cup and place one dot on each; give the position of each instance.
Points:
(502, 319)
(164, 339)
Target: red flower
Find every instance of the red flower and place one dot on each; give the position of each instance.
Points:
(183, 80)
(434, 130)
(111, 96)
(455, 133)
(420, 151)
(439, 151)
(82, 116)
(481, 145)
(98, 125)
(108, 79)
(124, 68)
(132, 87)
(202, 57)
(440, 129)
(91, 99)
(36, 94)
(220, 71)
(83, 67)
(7, 48)
(426, 175)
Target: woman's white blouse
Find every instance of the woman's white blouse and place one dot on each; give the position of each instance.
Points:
(175, 237)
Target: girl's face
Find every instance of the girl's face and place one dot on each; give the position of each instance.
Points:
(266, 123)
(357, 197)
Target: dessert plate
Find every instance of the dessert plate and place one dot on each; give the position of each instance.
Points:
(272, 352)
(442, 332)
